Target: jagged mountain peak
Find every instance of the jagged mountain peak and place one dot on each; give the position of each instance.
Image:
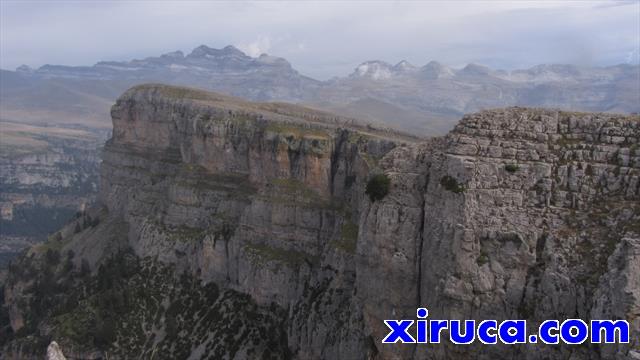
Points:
(381, 70)
(173, 55)
(24, 69)
(375, 69)
(473, 69)
(436, 70)
(434, 65)
(205, 51)
(404, 65)
(233, 50)
(267, 59)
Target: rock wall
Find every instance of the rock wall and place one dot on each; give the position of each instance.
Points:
(527, 214)
(517, 213)
(252, 199)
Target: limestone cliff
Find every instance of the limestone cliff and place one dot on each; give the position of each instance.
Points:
(528, 214)
(231, 229)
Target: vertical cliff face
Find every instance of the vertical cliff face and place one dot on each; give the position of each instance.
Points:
(225, 190)
(263, 199)
(526, 214)
(223, 217)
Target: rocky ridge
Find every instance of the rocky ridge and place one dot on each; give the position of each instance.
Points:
(427, 100)
(216, 207)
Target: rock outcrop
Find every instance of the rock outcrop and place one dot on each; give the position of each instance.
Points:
(54, 352)
(241, 230)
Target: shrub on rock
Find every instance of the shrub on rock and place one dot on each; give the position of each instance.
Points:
(451, 184)
(378, 187)
(512, 168)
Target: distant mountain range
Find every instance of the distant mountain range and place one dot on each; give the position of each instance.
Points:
(422, 99)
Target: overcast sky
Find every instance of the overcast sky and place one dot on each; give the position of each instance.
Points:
(325, 39)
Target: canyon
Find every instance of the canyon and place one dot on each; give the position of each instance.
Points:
(64, 112)
(48, 174)
(225, 228)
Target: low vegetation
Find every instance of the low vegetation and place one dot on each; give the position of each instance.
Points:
(451, 184)
(348, 239)
(378, 187)
(262, 253)
(512, 168)
(298, 130)
(482, 259)
(137, 308)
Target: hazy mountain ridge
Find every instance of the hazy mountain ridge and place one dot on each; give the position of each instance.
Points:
(441, 94)
(428, 99)
(228, 68)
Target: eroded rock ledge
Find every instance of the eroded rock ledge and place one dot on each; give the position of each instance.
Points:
(508, 216)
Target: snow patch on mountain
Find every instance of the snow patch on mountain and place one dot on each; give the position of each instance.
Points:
(376, 70)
